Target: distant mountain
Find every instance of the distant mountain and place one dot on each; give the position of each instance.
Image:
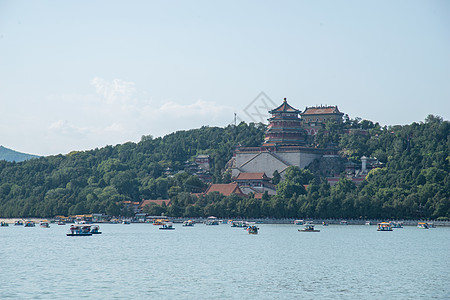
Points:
(11, 155)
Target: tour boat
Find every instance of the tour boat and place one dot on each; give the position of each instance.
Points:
(343, 223)
(95, 229)
(212, 221)
(167, 226)
(423, 225)
(298, 222)
(160, 221)
(309, 228)
(397, 224)
(79, 230)
(252, 229)
(29, 224)
(18, 223)
(4, 224)
(188, 223)
(240, 224)
(44, 224)
(384, 226)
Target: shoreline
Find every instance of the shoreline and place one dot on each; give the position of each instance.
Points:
(267, 221)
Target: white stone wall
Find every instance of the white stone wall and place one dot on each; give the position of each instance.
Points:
(266, 162)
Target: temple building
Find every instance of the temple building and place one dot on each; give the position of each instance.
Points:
(284, 146)
(314, 118)
(285, 127)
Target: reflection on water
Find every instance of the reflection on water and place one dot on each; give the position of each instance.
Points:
(140, 261)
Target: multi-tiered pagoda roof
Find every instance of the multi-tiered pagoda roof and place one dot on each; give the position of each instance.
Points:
(285, 127)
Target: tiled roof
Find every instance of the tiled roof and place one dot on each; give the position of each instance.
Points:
(158, 202)
(284, 107)
(319, 110)
(250, 176)
(225, 189)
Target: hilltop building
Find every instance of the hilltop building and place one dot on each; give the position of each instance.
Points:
(313, 118)
(284, 146)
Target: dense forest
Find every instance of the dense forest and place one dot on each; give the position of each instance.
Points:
(414, 182)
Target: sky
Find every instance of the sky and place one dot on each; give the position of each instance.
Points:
(79, 75)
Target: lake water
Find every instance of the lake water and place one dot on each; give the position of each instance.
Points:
(138, 261)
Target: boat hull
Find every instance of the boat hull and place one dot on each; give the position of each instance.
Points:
(79, 234)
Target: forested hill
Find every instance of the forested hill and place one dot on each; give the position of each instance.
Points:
(415, 182)
(11, 155)
(97, 180)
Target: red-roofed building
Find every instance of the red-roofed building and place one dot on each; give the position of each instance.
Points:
(255, 183)
(313, 118)
(225, 189)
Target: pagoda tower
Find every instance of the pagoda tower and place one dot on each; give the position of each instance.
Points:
(285, 127)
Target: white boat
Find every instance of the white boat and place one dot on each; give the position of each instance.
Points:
(309, 228)
(188, 223)
(167, 226)
(343, 222)
(79, 230)
(95, 229)
(423, 225)
(397, 224)
(212, 221)
(368, 223)
(298, 222)
(44, 224)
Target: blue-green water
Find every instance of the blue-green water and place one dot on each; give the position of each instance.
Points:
(138, 261)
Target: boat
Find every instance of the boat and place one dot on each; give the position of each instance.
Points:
(126, 222)
(368, 223)
(325, 223)
(343, 222)
(252, 229)
(309, 228)
(298, 222)
(212, 221)
(61, 223)
(431, 225)
(4, 224)
(79, 230)
(29, 224)
(161, 221)
(240, 224)
(188, 223)
(167, 226)
(384, 226)
(44, 224)
(423, 225)
(95, 229)
(397, 224)
(18, 223)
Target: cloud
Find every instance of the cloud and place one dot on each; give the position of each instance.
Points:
(62, 127)
(115, 92)
(200, 108)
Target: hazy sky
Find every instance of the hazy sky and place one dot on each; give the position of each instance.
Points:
(76, 75)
